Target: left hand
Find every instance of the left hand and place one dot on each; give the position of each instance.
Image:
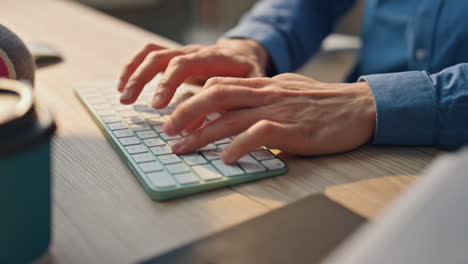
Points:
(289, 112)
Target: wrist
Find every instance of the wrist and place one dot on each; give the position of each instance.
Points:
(369, 112)
(252, 47)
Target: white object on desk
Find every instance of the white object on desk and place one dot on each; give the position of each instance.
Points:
(426, 225)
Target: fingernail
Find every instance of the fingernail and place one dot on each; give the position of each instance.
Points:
(228, 157)
(158, 100)
(127, 93)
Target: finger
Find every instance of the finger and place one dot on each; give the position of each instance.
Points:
(246, 82)
(195, 124)
(261, 133)
(130, 68)
(218, 99)
(291, 76)
(227, 125)
(154, 63)
(200, 64)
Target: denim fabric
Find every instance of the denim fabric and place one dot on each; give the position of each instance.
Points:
(414, 57)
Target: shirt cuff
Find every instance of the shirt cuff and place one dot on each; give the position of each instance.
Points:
(406, 108)
(267, 36)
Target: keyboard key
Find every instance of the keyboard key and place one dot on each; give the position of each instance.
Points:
(222, 146)
(121, 107)
(250, 165)
(151, 142)
(150, 166)
(143, 157)
(177, 168)
(208, 147)
(207, 172)
(147, 134)
(161, 179)
(117, 126)
(158, 128)
(167, 137)
(123, 133)
(156, 121)
(212, 154)
(161, 150)
(111, 119)
(149, 115)
(102, 107)
(91, 94)
(112, 96)
(142, 108)
(134, 120)
(96, 101)
(140, 127)
(170, 158)
(128, 113)
(140, 148)
(193, 159)
(227, 169)
(105, 112)
(262, 154)
(129, 141)
(186, 178)
(223, 141)
(273, 164)
(167, 111)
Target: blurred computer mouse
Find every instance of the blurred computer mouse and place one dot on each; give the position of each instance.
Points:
(44, 54)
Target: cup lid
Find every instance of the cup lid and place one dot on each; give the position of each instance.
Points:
(21, 124)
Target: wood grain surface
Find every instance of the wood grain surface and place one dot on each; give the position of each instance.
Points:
(369, 197)
(100, 212)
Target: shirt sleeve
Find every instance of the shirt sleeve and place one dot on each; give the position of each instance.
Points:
(416, 108)
(290, 30)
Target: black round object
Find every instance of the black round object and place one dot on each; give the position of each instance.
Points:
(14, 52)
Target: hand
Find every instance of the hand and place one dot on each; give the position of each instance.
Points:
(290, 112)
(229, 57)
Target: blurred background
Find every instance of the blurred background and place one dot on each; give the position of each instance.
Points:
(203, 21)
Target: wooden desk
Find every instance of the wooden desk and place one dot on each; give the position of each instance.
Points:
(101, 214)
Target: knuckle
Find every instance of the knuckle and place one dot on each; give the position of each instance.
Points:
(164, 82)
(214, 81)
(150, 46)
(285, 76)
(271, 94)
(192, 47)
(266, 128)
(154, 56)
(219, 92)
(179, 61)
(259, 82)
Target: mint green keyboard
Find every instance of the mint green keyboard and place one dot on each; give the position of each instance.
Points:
(135, 132)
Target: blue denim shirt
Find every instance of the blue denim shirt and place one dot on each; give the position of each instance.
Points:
(414, 57)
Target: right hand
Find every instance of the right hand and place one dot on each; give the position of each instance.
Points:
(228, 58)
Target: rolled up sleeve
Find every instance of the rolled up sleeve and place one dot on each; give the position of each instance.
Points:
(291, 31)
(416, 108)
